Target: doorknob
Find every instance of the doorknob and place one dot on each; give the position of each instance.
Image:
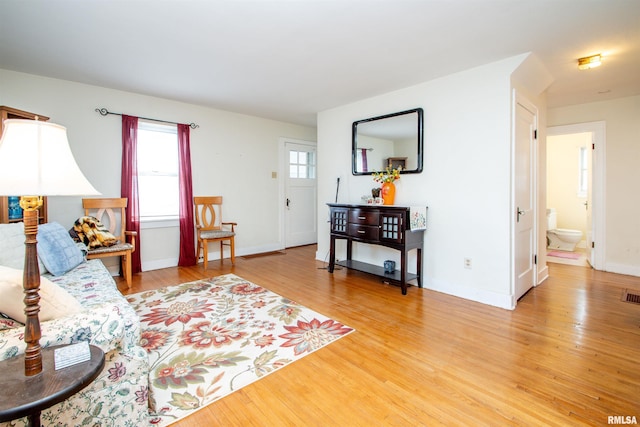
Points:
(586, 205)
(520, 212)
(288, 202)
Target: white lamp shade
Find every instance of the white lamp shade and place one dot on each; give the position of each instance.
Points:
(35, 160)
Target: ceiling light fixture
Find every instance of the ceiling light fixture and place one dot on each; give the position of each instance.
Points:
(589, 62)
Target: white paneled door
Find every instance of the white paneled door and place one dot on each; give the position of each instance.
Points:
(525, 241)
(300, 194)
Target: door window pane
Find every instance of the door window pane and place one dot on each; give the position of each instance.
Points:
(302, 164)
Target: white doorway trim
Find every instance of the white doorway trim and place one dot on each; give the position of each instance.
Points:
(598, 132)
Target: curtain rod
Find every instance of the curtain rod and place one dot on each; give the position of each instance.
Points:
(104, 112)
(368, 149)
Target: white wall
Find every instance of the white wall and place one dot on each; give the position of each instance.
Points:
(465, 182)
(622, 176)
(233, 155)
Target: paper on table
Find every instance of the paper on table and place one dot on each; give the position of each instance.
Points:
(71, 354)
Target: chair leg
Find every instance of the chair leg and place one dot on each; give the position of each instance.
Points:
(205, 254)
(126, 268)
(233, 250)
(221, 250)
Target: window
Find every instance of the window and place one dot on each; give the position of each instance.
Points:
(583, 170)
(158, 170)
(302, 164)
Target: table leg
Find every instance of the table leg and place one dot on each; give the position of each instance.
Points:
(403, 271)
(34, 419)
(419, 267)
(332, 254)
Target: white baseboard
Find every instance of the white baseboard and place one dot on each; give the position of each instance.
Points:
(630, 270)
(159, 264)
(260, 249)
(213, 256)
(324, 257)
(543, 274)
(478, 295)
(114, 271)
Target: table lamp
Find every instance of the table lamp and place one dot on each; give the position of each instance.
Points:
(36, 161)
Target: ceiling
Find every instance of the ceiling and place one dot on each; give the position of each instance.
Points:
(288, 60)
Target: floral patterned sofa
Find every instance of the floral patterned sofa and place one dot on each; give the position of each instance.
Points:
(119, 396)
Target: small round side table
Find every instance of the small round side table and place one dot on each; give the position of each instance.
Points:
(22, 396)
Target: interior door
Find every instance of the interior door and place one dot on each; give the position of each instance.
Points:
(300, 194)
(525, 241)
(589, 204)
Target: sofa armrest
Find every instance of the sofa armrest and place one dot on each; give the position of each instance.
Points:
(103, 326)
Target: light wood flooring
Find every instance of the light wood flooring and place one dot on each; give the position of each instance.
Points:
(568, 354)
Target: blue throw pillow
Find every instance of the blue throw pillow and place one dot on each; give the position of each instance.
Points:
(57, 250)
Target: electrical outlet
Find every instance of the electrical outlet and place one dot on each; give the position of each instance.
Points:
(467, 263)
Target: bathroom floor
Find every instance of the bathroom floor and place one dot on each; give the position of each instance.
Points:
(580, 261)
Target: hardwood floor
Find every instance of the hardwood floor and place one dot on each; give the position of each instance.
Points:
(568, 354)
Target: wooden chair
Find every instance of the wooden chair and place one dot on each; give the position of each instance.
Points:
(210, 228)
(112, 214)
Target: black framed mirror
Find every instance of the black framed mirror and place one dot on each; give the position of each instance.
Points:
(391, 140)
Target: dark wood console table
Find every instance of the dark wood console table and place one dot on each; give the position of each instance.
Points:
(376, 225)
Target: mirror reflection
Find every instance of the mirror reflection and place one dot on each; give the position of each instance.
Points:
(390, 140)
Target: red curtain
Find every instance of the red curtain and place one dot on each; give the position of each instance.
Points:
(129, 183)
(365, 167)
(187, 226)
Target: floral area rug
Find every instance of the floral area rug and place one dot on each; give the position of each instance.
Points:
(210, 337)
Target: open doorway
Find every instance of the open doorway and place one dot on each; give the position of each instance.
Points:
(575, 194)
(569, 200)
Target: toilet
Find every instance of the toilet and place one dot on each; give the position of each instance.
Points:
(560, 238)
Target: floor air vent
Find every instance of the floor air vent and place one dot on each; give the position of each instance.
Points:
(628, 296)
